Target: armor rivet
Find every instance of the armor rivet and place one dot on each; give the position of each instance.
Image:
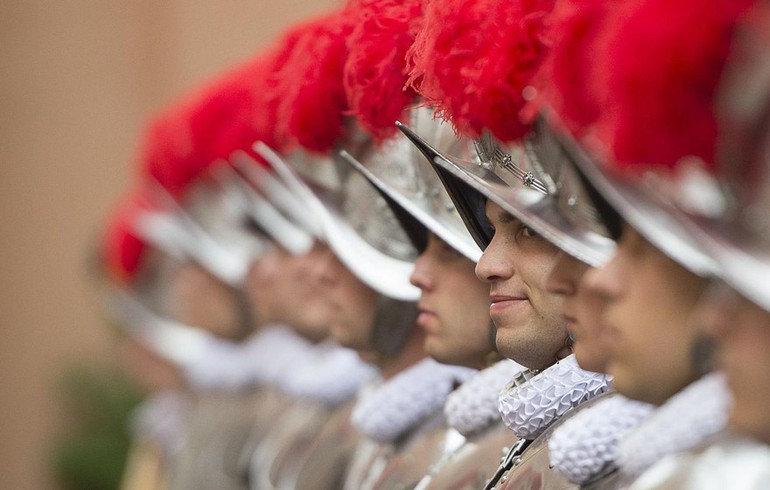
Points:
(528, 179)
(572, 201)
(450, 207)
(507, 160)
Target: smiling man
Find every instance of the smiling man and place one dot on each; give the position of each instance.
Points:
(497, 191)
(515, 263)
(453, 305)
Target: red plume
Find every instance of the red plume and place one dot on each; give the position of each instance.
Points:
(474, 58)
(225, 118)
(167, 152)
(375, 72)
(309, 90)
(663, 67)
(121, 249)
(566, 81)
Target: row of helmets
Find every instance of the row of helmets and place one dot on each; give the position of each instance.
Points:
(366, 129)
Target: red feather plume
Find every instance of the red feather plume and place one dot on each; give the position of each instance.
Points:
(375, 72)
(474, 58)
(121, 249)
(167, 151)
(225, 119)
(566, 81)
(311, 101)
(664, 63)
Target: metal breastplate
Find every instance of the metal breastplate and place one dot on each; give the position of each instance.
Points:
(413, 457)
(273, 458)
(322, 461)
(218, 431)
(527, 465)
(472, 464)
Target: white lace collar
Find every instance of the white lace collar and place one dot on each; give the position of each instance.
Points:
(261, 359)
(586, 444)
(727, 461)
(400, 404)
(685, 420)
(161, 417)
(472, 407)
(531, 402)
(330, 374)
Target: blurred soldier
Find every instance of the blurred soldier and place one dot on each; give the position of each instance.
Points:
(368, 267)
(643, 157)
(732, 227)
(131, 272)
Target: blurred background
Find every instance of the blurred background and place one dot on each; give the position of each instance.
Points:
(78, 80)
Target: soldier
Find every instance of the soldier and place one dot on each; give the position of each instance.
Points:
(457, 332)
(238, 397)
(374, 319)
(643, 158)
(131, 279)
(734, 310)
(369, 265)
(507, 191)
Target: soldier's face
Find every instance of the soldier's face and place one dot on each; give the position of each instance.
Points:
(571, 279)
(648, 300)
(288, 289)
(454, 306)
(530, 328)
(262, 284)
(353, 306)
(305, 306)
(199, 299)
(741, 331)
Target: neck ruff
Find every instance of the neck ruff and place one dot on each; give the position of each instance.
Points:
(531, 402)
(586, 446)
(473, 406)
(400, 404)
(684, 421)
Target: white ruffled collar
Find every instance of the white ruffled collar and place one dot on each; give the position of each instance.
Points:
(587, 444)
(727, 461)
(261, 359)
(161, 418)
(400, 404)
(532, 402)
(331, 374)
(684, 421)
(472, 407)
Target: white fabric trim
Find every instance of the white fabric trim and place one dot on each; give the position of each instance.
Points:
(529, 407)
(330, 374)
(686, 419)
(588, 443)
(473, 406)
(406, 400)
(262, 359)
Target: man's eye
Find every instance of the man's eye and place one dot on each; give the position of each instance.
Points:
(488, 225)
(528, 232)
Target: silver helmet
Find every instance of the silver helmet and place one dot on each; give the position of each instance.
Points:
(535, 181)
(359, 227)
(411, 187)
(262, 213)
(209, 233)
